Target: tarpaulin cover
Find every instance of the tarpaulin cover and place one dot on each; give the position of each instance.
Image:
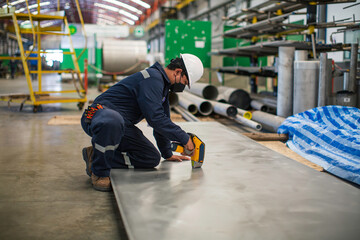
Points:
(328, 136)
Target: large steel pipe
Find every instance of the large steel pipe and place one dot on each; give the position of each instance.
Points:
(186, 114)
(324, 80)
(306, 74)
(173, 99)
(258, 105)
(301, 55)
(204, 90)
(285, 81)
(248, 122)
(204, 107)
(234, 96)
(224, 109)
(244, 113)
(353, 72)
(187, 104)
(268, 121)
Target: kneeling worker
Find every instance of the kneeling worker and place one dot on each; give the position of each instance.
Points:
(110, 120)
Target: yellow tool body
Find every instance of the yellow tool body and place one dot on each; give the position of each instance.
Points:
(197, 158)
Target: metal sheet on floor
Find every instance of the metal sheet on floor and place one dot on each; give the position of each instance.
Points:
(242, 191)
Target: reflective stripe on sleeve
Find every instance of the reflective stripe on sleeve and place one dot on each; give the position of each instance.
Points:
(145, 73)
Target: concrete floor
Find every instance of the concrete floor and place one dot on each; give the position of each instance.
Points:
(44, 191)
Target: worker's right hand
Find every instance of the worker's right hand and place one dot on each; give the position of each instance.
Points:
(177, 158)
(190, 146)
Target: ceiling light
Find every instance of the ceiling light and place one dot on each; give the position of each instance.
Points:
(102, 20)
(32, 6)
(128, 21)
(14, 3)
(132, 16)
(106, 7)
(131, 8)
(141, 3)
(107, 17)
(41, 4)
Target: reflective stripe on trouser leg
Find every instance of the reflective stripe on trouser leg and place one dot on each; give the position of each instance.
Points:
(106, 148)
(127, 160)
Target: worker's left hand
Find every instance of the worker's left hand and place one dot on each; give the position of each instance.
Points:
(178, 158)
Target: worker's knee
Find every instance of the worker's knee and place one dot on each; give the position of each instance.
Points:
(149, 160)
(155, 159)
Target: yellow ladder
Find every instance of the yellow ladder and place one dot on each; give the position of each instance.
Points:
(36, 98)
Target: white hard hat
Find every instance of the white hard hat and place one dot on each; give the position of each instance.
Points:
(194, 67)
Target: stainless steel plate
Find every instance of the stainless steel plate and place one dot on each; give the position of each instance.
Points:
(242, 191)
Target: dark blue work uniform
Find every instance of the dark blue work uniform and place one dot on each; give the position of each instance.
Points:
(117, 142)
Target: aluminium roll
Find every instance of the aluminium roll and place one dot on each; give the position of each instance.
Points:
(120, 55)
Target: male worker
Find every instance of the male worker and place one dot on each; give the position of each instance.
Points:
(110, 120)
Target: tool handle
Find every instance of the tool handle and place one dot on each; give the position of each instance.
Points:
(177, 147)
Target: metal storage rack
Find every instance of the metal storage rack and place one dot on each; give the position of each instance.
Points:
(36, 98)
(266, 23)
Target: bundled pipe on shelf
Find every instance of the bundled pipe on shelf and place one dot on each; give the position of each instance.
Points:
(204, 107)
(268, 121)
(224, 109)
(248, 123)
(186, 114)
(234, 96)
(285, 82)
(244, 113)
(187, 105)
(204, 90)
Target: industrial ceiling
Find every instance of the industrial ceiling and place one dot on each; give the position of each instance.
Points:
(109, 12)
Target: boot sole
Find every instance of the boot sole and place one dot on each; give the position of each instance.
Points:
(84, 153)
(102, 189)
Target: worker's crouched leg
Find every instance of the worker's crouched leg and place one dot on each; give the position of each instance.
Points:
(107, 128)
(136, 151)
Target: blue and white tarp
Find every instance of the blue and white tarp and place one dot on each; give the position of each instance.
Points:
(328, 136)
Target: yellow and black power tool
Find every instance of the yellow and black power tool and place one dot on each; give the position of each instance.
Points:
(197, 158)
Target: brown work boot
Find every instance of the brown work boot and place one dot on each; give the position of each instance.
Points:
(101, 183)
(87, 156)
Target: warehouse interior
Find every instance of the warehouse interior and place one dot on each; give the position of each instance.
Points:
(275, 117)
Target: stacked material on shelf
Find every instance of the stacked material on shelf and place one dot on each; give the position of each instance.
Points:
(328, 136)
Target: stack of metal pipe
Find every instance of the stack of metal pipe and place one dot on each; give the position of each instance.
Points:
(201, 99)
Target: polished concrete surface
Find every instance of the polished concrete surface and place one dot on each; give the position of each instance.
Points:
(243, 191)
(44, 191)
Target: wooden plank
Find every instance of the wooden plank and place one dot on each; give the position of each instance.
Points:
(267, 136)
(281, 148)
(65, 120)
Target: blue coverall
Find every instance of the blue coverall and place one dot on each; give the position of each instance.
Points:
(116, 141)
